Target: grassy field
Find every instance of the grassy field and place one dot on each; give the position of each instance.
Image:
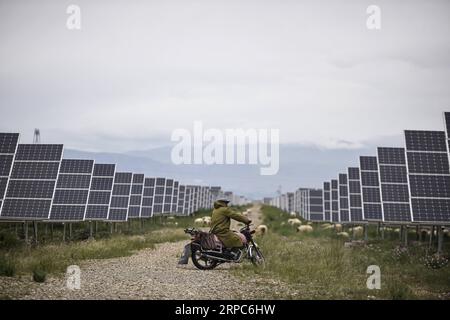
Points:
(318, 266)
(53, 255)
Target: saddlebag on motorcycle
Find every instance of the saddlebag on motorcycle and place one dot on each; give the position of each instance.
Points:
(209, 241)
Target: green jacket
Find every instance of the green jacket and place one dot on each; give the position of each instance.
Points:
(220, 225)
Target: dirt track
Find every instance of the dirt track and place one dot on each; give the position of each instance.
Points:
(149, 274)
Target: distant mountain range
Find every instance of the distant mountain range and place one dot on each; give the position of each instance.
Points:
(300, 166)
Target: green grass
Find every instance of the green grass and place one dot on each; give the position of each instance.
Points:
(318, 266)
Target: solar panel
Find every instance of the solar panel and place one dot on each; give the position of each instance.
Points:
(174, 206)
(147, 197)
(370, 187)
(327, 201)
(31, 187)
(429, 175)
(158, 200)
(394, 185)
(187, 201)
(100, 191)
(72, 190)
(120, 199)
(168, 194)
(314, 204)
(8, 147)
(335, 217)
(344, 207)
(181, 197)
(354, 194)
(137, 189)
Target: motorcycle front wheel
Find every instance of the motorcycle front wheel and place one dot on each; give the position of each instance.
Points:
(200, 262)
(256, 257)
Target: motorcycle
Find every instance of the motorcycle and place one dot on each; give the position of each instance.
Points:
(208, 257)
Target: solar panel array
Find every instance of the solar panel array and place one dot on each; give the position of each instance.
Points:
(100, 192)
(181, 197)
(137, 189)
(370, 185)
(394, 185)
(354, 195)
(343, 198)
(148, 197)
(314, 200)
(72, 190)
(327, 201)
(120, 199)
(36, 183)
(159, 196)
(429, 175)
(398, 186)
(32, 182)
(8, 147)
(335, 201)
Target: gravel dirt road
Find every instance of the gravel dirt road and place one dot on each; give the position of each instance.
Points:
(149, 274)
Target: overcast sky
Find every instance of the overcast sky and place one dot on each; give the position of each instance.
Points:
(139, 69)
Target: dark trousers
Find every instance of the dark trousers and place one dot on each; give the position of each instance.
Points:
(184, 259)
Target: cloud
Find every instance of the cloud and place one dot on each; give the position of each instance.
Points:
(137, 71)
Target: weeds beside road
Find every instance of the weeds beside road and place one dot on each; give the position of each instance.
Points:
(318, 265)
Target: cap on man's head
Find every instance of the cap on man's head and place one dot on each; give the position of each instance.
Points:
(223, 201)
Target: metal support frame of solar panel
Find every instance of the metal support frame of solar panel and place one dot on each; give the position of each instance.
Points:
(100, 191)
(158, 199)
(31, 186)
(370, 186)
(335, 215)
(344, 208)
(394, 185)
(355, 195)
(120, 198)
(148, 198)
(327, 201)
(72, 190)
(429, 176)
(315, 207)
(137, 188)
(8, 148)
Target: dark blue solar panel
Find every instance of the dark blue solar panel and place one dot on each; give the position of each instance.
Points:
(73, 181)
(425, 140)
(104, 170)
(26, 209)
(78, 166)
(391, 156)
(39, 152)
(368, 163)
(8, 142)
(6, 162)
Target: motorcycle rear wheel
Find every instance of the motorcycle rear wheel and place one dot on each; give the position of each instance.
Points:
(201, 262)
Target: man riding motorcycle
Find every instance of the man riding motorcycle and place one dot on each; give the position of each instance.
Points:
(220, 226)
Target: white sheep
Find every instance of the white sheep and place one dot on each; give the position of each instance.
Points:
(198, 221)
(326, 225)
(305, 229)
(295, 222)
(343, 235)
(206, 221)
(338, 227)
(357, 231)
(261, 229)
